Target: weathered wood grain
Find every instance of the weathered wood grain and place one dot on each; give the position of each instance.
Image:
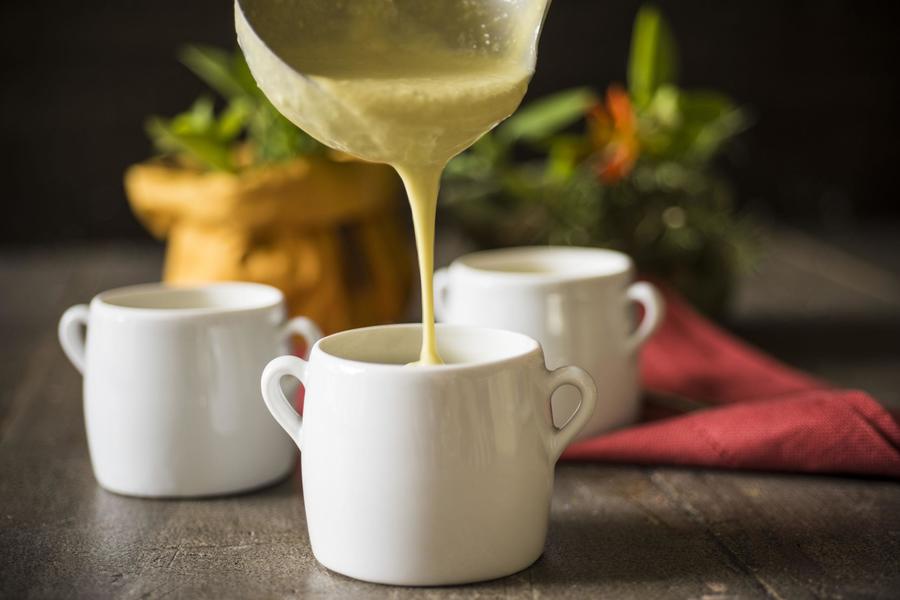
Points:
(833, 311)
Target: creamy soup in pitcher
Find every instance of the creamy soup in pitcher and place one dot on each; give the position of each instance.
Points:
(396, 85)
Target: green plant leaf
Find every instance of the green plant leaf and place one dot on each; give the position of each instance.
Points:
(275, 138)
(243, 77)
(201, 116)
(217, 68)
(703, 106)
(210, 151)
(707, 121)
(547, 116)
(712, 136)
(666, 106)
(653, 59)
(233, 119)
(564, 155)
(198, 120)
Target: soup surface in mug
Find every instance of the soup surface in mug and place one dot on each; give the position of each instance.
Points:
(524, 268)
(563, 262)
(399, 345)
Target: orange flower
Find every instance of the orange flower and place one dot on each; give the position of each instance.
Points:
(613, 132)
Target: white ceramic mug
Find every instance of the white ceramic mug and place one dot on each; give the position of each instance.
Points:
(577, 302)
(171, 386)
(426, 475)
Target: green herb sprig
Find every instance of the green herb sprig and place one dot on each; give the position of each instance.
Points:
(632, 170)
(209, 139)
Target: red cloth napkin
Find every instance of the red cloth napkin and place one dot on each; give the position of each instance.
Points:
(756, 413)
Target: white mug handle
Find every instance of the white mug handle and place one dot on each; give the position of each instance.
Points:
(280, 407)
(441, 287)
(71, 337)
(649, 297)
(303, 327)
(578, 377)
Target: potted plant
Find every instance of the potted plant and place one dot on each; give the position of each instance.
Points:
(633, 170)
(242, 194)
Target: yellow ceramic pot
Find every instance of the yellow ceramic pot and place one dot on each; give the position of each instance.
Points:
(331, 235)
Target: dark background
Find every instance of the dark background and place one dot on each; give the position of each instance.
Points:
(79, 79)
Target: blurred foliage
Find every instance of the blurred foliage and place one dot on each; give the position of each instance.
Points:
(247, 131)
(632, 170)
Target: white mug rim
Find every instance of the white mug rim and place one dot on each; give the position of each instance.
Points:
(256, 297)
(530, 347)
(468, 266)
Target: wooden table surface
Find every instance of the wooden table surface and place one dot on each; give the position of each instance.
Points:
(616, 531)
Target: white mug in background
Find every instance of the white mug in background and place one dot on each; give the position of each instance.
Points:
(171, 386)
(426, 475)
(577, 302)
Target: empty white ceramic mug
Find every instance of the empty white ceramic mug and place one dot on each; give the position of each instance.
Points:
(171, 386)
(426, 475)
(577, 302)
